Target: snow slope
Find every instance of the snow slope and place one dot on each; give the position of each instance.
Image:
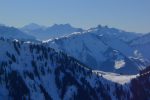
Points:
(37, 72)
(143, 45)
(100, 51)
(121, 79)
(116, 33)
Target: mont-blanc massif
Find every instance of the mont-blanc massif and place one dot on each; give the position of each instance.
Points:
(69, 62)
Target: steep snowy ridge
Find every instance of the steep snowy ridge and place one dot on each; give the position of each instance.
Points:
(100, 51)
(37, 72)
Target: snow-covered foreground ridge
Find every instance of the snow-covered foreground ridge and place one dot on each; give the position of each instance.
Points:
(37, 72)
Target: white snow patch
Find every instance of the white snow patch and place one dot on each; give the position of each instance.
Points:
(121, 79)
(119, 64)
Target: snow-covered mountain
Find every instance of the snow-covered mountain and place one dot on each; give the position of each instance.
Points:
(90, 50)
(116, 33)
(14, 33)
(44, 33)
(142, 44)
(121, 40)
(37, 72)
(100, 50)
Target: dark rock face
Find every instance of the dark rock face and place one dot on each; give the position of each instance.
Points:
(141, 85)
(17, 87)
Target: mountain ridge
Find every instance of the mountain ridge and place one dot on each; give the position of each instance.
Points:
(33, 71)
(47, 32)
(92, 49)
(14, 33)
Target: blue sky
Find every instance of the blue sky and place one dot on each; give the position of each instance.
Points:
(130, 15)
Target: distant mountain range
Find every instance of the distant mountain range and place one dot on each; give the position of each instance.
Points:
(54, 31)
(14, 33)
(101, 48)
(115, 33)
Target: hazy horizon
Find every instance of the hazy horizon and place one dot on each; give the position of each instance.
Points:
(128, 15)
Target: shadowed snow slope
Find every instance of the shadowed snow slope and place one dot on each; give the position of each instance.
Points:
(37, 72)
(142, 44)
(100, 51)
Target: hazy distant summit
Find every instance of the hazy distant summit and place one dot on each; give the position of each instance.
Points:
(44, 33)
(14, 33)
(32, 26)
